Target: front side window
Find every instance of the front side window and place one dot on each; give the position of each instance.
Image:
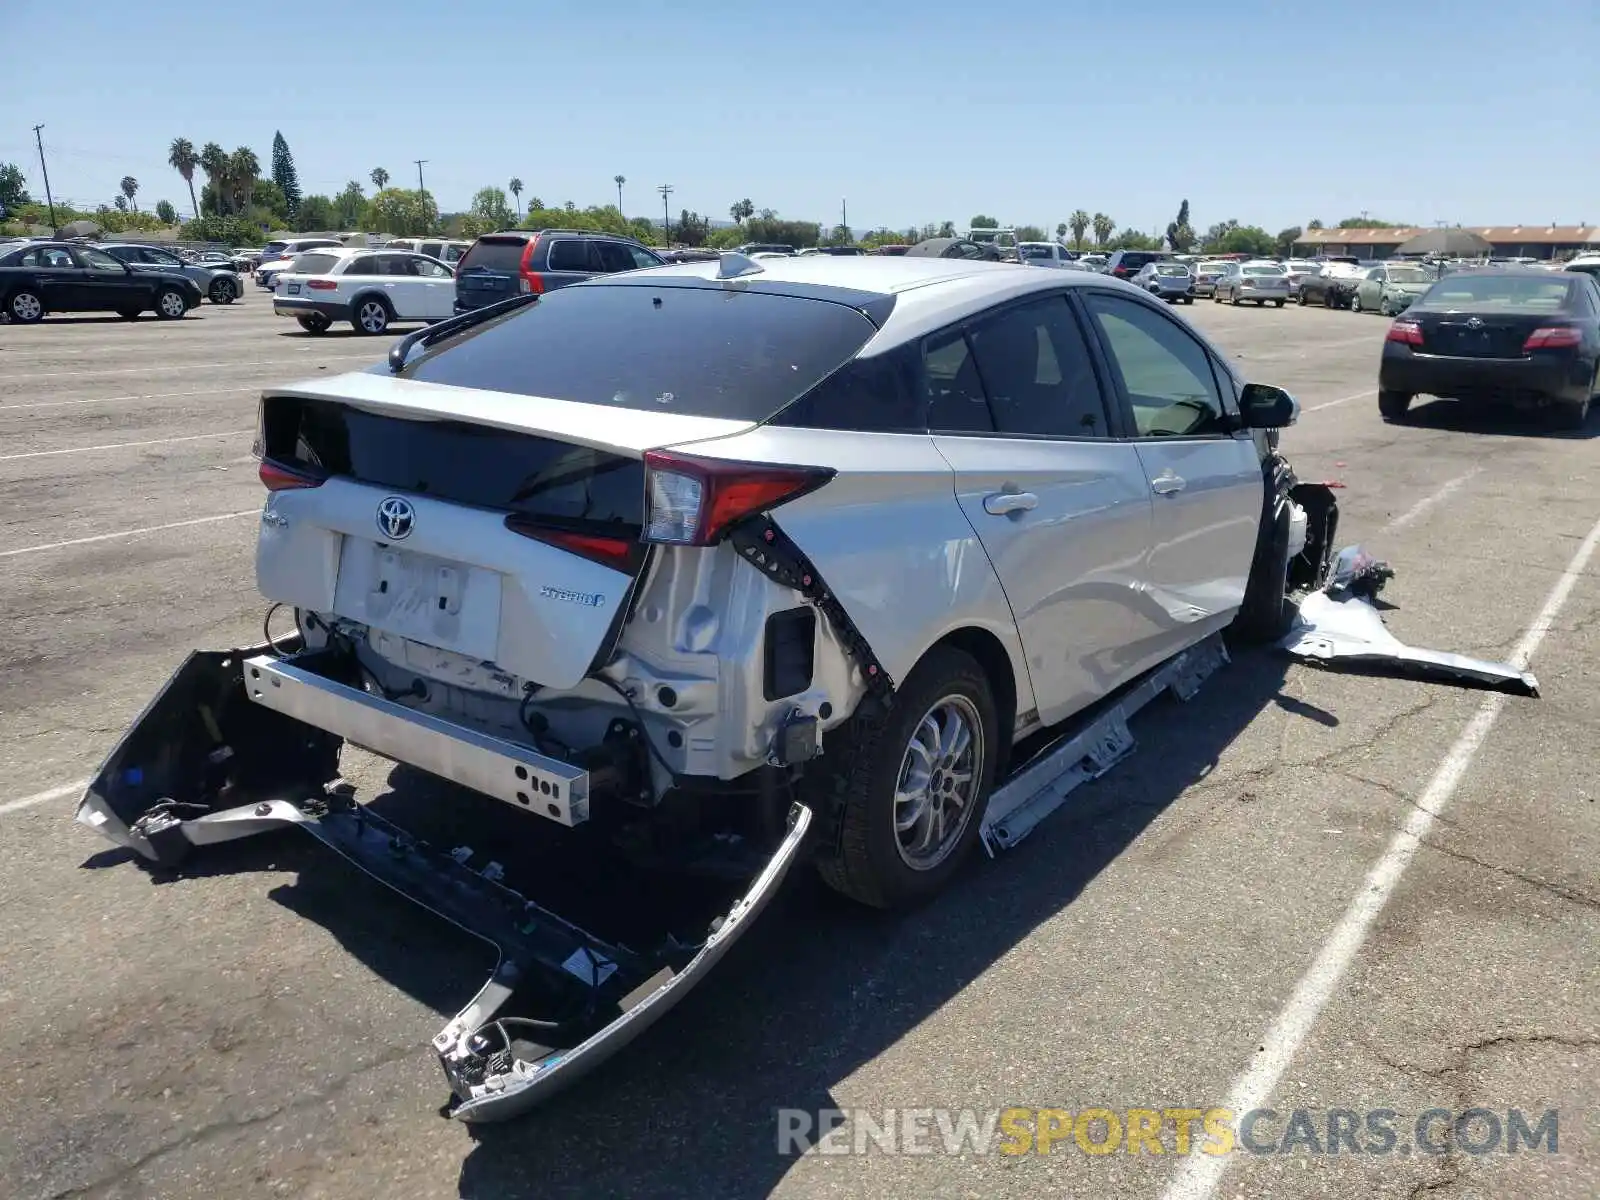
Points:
(1036, 374)
(569, 255)
(162, 258)
(99, 260)
(1165, 373)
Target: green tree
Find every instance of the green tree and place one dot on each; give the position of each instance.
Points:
(130, 189)
(982, 222)
(166, 213)
(182, 159)
(284, 174)
(13, 187)
(619, 180)
(121, 201)
(230, 231)
(741, 210)
(380, 178)
(1104, 227)
(214, 162)
(1180, 234)
(691, 229)
(402, 211)
(1314, 223)
(1241, 239)
(1284, 242)
(1369, 223)
(839, 235)
(490, 208)
(1079, 221)
(515, 188)
(1030, 233)
(1061, 231)
(1211, 243)
(267, 203)
(349, 205)
(243, 169)
(317, 213)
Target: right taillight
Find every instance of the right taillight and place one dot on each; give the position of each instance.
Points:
(1407, 332)
(279, 478)
(693, 501)
(1553, 337)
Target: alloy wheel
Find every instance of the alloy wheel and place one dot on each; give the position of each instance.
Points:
(940, 772)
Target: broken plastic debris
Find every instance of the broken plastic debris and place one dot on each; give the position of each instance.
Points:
(1339, 625)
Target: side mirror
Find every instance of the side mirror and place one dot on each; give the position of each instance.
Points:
(1266, 407)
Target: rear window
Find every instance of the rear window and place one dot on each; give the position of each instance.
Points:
(702, 351)
(558, 483)
(496, 254)
(1263, 270)
(272, 249)
(1509, 292)
(314, 264)
(1172, 269)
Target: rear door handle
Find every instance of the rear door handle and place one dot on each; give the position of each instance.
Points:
(1004, 503)
(1166, 483)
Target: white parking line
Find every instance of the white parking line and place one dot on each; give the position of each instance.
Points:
(1341, 400)
(193, 437)
(106, 537)
(371, 357)
(1198, 1176)
(141, 396)
(1428, 501)
(55, 793)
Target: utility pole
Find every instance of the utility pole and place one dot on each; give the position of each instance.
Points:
(844, 217)
(49, 199)
(419, 162)
(666, 217)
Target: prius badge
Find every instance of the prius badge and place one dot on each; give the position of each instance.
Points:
(396, 518)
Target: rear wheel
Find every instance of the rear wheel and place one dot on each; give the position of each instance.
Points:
(170, 304)
(1302, 301)
(1266, 614)
(314, 323)
(371, 316)
(1355, 301)
(1570, 414)
(25, 307)
(1233, 299)
(910, 787)
(1392, 406)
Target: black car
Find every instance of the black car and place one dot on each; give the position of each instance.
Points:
(954, 247)
(1528, 338)
(1125, 264)
(44, 277)
(501, 265)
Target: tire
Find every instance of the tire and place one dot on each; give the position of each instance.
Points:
(1355, 302)
(1188, 299)
(871, 864)
(1569, 414)
(1233, 299)
(129, 314)
(1277, 304)
(222, 291)
(26, 307)
(1302, 301)
(171, 305)
(314, 323)
(1266, 613)
(371, 316)
(1392, 406)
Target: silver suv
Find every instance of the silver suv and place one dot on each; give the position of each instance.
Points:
(718, 565)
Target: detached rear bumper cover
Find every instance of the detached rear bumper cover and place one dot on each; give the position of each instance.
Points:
(204, 763)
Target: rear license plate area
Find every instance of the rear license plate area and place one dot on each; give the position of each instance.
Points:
(438, 602)
(294, 289)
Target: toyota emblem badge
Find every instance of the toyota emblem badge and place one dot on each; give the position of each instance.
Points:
(396, 518)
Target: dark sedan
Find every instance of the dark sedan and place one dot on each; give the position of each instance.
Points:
(44, 277)
(1332, 285)
(1527, 338)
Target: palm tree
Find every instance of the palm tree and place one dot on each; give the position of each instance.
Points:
(243, 170)
(214, 162)
(619, 180)
(130, 188)
(1079, 222)
(380, 178)
(182, 159)
(1061, 231)
(1104, 227)
(515, 188)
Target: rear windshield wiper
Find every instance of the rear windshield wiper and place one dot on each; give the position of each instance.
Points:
(454, 325)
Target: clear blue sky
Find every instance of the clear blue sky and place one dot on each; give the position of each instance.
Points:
(1266, 111)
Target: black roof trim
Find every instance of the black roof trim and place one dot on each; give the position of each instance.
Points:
(876, 306)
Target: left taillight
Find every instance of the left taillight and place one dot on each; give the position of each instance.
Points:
(279, 478)
(1553, 337)
(609, 550)
(693, 501)
(322, 285)
(1408, 332)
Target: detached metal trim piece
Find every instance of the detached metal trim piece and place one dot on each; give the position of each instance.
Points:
(1042, 786)
(521, 777)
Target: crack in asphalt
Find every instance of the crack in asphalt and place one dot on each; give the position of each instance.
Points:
(204, 1133)
(1558, 890)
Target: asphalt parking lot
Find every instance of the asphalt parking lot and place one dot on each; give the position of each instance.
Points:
(259, 1027)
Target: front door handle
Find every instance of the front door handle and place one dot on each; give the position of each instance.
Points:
(1004, 503)
(1166, 483)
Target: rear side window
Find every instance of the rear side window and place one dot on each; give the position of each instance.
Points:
(570, 255)
(317, 264)
(703, 351)
(367, 264)
(1035, 370)
(614, 256)
(954, 392)
(868, 395)
(496, 254)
